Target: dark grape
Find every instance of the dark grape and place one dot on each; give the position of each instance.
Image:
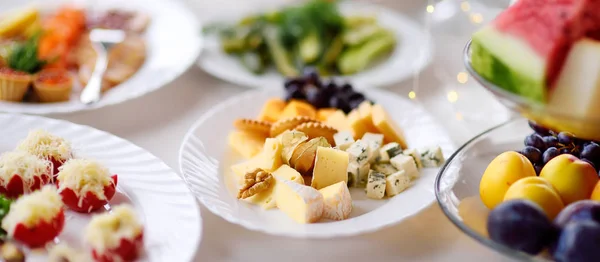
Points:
(538, 169)
(550, 141)
(539, 129)
(550, 153)
(533, 154)
(294, 92)
(578, 242)
(536, 141)
(293, 82)
(521, 225)
(591, 152)
(579, 211)
(565, 138)
(356, 96)
(311, 76)
(340, 103)
(565, 151)
(330, 87)
(346, 88)
(316, 97)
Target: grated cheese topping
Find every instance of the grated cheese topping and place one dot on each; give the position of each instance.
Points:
(64, 253)
(45, 145)
(83, 176)
(41, 205)
(105, 231)
(23, 164)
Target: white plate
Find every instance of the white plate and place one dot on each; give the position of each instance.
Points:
(413, 52)
(172, 223)
(173, 41)
(205, 160)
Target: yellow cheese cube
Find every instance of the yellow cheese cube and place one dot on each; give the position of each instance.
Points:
(365, 111)
(324, 113)
(338, 202)
(298, 108)
(266, 198)
(338, 121)
(271, 110)
(331, 167)
(246, 143)
(357, 126)
(268, 159)
(302, 203)
(386, 126)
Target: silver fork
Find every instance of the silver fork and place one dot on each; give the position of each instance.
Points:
(102, 40)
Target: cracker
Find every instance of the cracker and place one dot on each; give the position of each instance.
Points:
(253, 126)
(288, 124)
(317, 129)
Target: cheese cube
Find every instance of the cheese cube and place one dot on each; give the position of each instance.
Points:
(406, 163)
(365, 109)
(246, 143)
(359, 153)
(375, 141)
(415, 155)
(432, 156)
(338, 121)
(384, 168)
(265, 199)
(363, 175)
(271, 110)
(376, 185)
(324, 113)
(331, 166)
(356, 123)
(268, 159)
(337, 201)
(396, 183)
(343, 140)
(358, 175)
(302, 203)
(298, 108)
(386, 126)
(389, 151)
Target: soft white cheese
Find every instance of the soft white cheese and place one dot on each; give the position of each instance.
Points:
(106, 230)
(41, 205)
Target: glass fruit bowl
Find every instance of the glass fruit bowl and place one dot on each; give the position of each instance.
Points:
(457, 184)
(557, 119)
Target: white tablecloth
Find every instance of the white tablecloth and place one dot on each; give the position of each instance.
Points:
(158, 122)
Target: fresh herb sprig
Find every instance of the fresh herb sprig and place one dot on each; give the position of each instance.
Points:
(4, 209)
(24, 56)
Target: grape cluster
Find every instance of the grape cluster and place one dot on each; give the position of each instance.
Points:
(322, 94)
(544, 145)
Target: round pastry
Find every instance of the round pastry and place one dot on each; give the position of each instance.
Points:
(53, 85)
(13, 84)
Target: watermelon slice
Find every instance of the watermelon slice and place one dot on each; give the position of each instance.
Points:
(525, 47)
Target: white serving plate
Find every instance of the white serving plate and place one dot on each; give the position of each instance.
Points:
(171, 217)
(172, 38)
(205, 160)
(413, 52)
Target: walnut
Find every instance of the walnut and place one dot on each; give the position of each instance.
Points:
(255, 182)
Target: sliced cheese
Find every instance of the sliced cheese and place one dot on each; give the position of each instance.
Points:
(41, 205)
(106, 230)
(386, 126)
(331, 166)
(45, 145)
(24, 165)
(302, 203)
(268, 159)
(338, 202)
(266, 199)
(245, 143)
(83, 176)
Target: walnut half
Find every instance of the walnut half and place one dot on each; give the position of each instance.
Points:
(255, 182)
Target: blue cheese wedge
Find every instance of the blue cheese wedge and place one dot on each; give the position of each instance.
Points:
(388, 151)
(376, 185)
(358, 175)
(385, 168)
(396, 183)
(358, 153)
(432, 156)
(406, 163)
(415, 155)
(374, 141)
(343, 140)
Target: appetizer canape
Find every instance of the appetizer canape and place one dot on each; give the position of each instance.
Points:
(35, 219)
(47, 146)
(115, 236)
(13, 84)
(53, 85)
(85, 185)
(22, 172)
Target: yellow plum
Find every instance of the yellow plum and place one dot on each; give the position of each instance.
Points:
(574, 179)
(539, 191)
(500, 174)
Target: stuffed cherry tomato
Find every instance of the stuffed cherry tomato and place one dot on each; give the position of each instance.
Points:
(47, 146)
(22, 172)
(35, 219)
(85, 185)
(115, 236)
